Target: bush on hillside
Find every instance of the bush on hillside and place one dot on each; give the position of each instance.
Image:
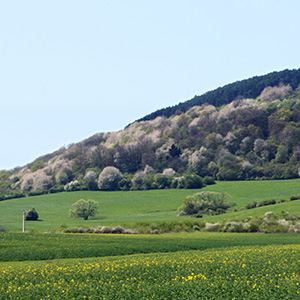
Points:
(205, 203)
(39, 164)
(32, 215)
(72, 186)
(64, 176)
(295, 197)
(163, 181)
(90, 180)
(109, 179)
(192, 181)
(208, 180)
(57, 189)
(37, 193)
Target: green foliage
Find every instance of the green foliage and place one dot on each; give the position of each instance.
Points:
(5, 182)
(208, 180)
(32, 215)
(39, 164)
(266, 202)
(162, 181)
(174, 151)
(37, 193)
(295, 197)
(84, 209)
(192, 181)
(205, 203)
(56, 189)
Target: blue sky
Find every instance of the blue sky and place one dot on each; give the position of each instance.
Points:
(70, 69)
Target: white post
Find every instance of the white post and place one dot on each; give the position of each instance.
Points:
(24, 214)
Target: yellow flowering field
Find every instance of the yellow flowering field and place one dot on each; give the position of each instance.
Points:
(250, 272)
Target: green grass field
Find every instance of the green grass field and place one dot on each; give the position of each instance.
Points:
(198, 265)
(118, 208)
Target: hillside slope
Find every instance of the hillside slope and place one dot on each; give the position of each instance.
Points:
(246, 139)
(247, 88)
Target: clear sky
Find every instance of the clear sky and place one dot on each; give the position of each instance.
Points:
(72, 68)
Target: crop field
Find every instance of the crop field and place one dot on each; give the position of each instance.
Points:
(195, 265)
(118, 208)
(33, 246)
(251, 272)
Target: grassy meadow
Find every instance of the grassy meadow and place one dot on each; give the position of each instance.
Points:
(195, 265)
(121, 208)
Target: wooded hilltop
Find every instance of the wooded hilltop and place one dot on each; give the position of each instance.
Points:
(247, 130)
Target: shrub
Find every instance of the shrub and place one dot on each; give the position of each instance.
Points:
(205, 203)
(32, 215)
(27, 182)
(163, 181)
(266, 202)
(37, 193)
(72, 186)
(64, 176)
(109, 179)
(296, 197)
(208, 180)
(2, 228)
(253, 227)
(90, 180)
(138, 180)
(15, 195)
(251, 205)
(42, 182)
(192, 181)
(125, 184)
(234, 227)
(169, 172)
(56, 189)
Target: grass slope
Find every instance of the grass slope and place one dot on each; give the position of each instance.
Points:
(117, 208)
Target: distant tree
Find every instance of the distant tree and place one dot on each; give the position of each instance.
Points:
(84, 209)
(39, 164)
(174, 151)
(109, 179)
(139, 180)
(163, 181)
(32, 215)
(90, 180)
(64, 176)
(282, 154)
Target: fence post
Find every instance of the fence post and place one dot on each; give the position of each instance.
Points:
(24, 214)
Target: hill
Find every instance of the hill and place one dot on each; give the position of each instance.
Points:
(248, 88)
(246, 130)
